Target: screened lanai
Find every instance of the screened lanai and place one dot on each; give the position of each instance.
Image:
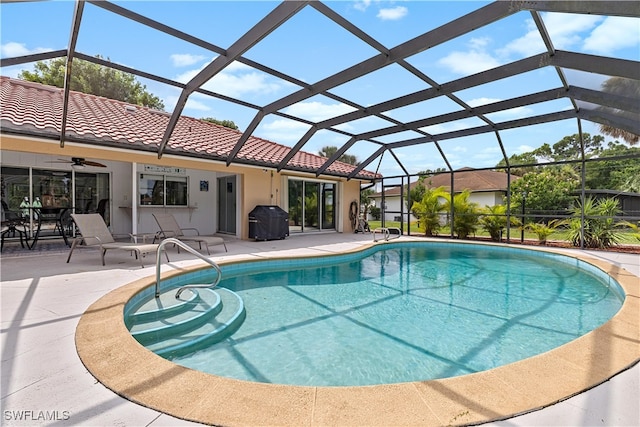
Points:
(407, 88)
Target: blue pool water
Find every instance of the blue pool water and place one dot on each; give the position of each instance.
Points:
(404, 312)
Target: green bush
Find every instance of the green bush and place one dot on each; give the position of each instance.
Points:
(599, 225)
(493, 220)
(428, 210)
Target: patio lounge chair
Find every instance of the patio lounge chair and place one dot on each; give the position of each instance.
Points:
(94, 233)
(169, 228)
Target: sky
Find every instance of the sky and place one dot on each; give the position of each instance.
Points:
(310, 47)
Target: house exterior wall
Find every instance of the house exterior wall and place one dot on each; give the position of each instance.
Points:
(489, 198)
(255, 185)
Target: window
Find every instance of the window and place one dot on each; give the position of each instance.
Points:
(50, 188)
(163, 190)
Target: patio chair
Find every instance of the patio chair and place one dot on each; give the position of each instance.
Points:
(13, 223)
(169, 228)
(94, 233)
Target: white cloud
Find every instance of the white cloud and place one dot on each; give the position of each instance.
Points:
(488, 153)
(479, 43)
(392, 14)
(470, 62)
(564, 30)
(482, 101)
(236, 80)
(12, 49)
(317, 111)
(185, 59)
(170, 102)
(282, 131)
(524, 149)
(362, 5)
(614, 33)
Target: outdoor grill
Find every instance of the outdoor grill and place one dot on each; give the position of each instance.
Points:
(268, 223)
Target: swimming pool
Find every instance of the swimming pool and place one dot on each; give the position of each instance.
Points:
(402, 312)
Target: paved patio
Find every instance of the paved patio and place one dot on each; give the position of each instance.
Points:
(45, 383)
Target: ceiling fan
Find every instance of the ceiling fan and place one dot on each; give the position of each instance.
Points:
(80, 162)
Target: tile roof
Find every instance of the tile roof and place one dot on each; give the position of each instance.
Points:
(35, 109)
(464, 179)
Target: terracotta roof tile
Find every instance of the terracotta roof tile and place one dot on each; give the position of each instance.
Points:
(464, 179)
(36, 110)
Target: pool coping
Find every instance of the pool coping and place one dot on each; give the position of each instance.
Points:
(120, 363)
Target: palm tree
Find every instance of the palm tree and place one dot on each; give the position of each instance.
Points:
(428, 210)
(465, 221)
(599, 224)
(494, 220)
(329, 151)
(626, 87)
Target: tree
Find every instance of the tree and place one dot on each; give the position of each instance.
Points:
(465, 213)
(547, 190)
(416, 193)
(94, 79)
(365, 201)
(625, 87)
(621, 174)
(569, 147)
(226, 123)
(329, 151)
(428, 210)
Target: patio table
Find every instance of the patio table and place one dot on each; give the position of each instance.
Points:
(59, 217)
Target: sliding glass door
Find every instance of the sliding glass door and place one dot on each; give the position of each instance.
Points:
(311, 206)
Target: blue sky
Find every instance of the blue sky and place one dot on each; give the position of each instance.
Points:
(310, 47)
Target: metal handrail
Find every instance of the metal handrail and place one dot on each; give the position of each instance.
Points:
(194, 252)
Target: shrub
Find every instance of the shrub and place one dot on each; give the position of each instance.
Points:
(599, 224)
(494, 220)
(428, 210)
(542, 230)
(465, 220)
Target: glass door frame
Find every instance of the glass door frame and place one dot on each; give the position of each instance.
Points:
(309, 212)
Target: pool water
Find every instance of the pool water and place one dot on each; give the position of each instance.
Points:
(404, 312)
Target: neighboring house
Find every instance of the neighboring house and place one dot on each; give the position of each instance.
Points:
(488, 188)
(192, 179)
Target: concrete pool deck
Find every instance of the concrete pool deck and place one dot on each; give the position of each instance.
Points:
(44, 382)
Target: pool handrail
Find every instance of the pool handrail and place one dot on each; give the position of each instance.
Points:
(194, 252)
(386, 233)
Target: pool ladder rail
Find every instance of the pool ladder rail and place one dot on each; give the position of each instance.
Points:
(388, 233)
(192, 251)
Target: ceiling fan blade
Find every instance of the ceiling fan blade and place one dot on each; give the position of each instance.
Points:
(91, 163)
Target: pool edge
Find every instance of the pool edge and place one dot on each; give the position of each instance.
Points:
(116, 360)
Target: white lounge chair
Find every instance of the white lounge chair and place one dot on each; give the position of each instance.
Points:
(169, 228)
(94, 233)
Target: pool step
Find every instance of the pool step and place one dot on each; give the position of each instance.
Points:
(211, 317)
(171, 317)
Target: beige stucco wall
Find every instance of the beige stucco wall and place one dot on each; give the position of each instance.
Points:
(255, 185)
